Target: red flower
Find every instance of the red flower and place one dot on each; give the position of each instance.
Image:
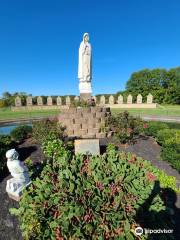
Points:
(88, 217)
(145, 125)
(150, 177)
(133, 159)
(129, 130)
(100, 186)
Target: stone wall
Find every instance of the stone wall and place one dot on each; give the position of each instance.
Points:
(120, 102)
(85, 122)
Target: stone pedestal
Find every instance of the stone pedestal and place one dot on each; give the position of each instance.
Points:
(85, 90)
(85, 96)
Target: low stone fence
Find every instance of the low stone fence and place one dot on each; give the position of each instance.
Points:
(85, 122)
(102, 101)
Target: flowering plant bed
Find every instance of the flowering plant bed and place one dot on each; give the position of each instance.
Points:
(91, 197)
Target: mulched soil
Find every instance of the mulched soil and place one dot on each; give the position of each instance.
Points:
(9, 225)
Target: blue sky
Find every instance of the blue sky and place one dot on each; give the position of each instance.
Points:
(39, 41)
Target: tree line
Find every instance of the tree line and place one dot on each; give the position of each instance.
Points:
(163, 84)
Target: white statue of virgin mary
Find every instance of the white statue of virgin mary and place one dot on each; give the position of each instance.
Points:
(85, 66)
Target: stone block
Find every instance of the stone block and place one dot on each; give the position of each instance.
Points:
(70, 127)
(90, 136)
(78, 115)
(98, 120)
(98, 125)
(91, 120)
(86, 110)
(78, 120)
(101, 135)
(83, 132)
(93, 130)
(96, 109)
(77, 126)
(70, 132)
(92, 124)
(72, 110)
(100, 114)
(79, 110)
(85, 125)
(84, 120)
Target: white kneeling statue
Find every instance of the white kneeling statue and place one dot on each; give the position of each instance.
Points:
(20, 176)
(85, 68)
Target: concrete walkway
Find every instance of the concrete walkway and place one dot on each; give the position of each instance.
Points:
(162, 118)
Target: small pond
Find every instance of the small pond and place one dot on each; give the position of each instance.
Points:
(7, 128)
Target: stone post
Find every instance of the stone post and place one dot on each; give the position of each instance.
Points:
(39, 101)
(120, 99)
(59, 101)
(68, 101)
(49, 101)
(111, 100)
(102, 100)
(29, 101)
(149, 98)
(129, 99)
(139, 99)
(18, 102)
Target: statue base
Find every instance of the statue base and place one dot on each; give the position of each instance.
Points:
(15, 187)
(85, 96)
(85, 90)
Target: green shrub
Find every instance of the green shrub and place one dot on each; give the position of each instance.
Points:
(90, 197)
(172, 155)
(44, 128)
(153, 128)
(168, 136)
(5, 144)
(125, 126)
(170, 151)
(20, 133)
(167, 181)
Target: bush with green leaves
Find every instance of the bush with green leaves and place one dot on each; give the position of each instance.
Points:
(90, 197)
(168, 181)
(44, 128)
(125, 126)
(152, 128)
(5, 144)
(21, 132)
(170, 141)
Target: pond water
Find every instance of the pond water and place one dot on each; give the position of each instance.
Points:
(6, 129)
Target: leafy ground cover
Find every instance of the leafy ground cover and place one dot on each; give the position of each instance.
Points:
(92, 197)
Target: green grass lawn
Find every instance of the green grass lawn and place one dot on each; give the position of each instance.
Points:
(162, 110)
(7, 114)
(166, 110)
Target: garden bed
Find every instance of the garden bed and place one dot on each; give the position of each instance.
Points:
(144, 147)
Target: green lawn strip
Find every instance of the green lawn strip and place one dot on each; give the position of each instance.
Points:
(7, 114)
(167, 110)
